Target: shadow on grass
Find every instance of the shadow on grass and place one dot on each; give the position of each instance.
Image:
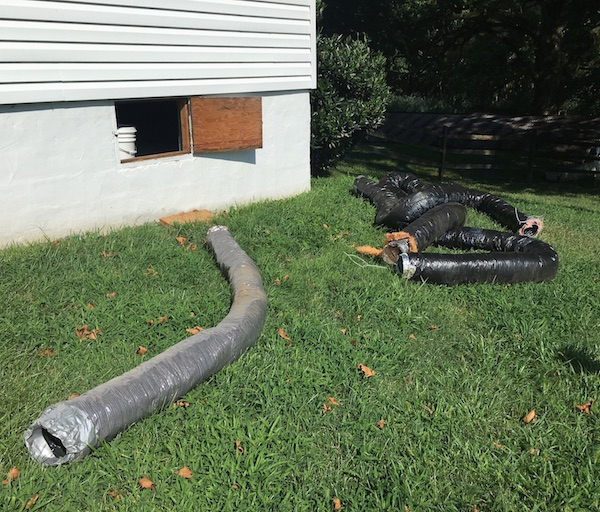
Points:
(515, 179)
(579, 360)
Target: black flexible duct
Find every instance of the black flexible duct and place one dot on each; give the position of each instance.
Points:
(417, 197)
(422, 232)
(515, 259)
(66, 431)
(428, 214)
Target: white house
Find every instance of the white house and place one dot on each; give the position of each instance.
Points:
(215, 92)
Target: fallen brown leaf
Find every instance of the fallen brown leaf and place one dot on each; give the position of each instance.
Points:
(326, 408)
(428, 409)
(162, 319)
(499, 446)
(31, 502)
(432, 327)
(380, 424)
(110, 295)
(277, 282)
(585, 408)
(534, 451)
(332, 401)
(283, 334)
(146, 483)
(73, 395)
(286, 277)
(337, 504)
(529, 417)
(91, 306)
(115, 494)
(181, 403)
(191, 247)
(412, 337)
(45, 353)
(13, 474)
(325, 226)
(181, 239)
(151, 272)
(82, 332)
(238, 446)
(141, 351)
(343, 331)
(194, 330)
(105, 254)
(184, 472)
(366, 370)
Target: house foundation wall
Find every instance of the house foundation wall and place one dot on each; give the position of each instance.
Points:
(60, 171)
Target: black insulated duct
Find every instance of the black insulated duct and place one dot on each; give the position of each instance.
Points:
(425, 215)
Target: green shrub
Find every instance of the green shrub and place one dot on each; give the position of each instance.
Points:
(351, 98)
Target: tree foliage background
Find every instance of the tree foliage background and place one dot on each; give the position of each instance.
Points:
(511, 56)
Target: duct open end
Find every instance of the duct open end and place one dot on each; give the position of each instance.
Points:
(62, 434)
(531, 227)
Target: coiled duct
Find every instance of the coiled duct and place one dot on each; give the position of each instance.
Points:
(67, 431)
(434, 214)
(414, 197)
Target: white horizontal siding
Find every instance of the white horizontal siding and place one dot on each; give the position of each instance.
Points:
(81, 50)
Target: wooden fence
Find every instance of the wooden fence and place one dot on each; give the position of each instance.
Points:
(562, 149)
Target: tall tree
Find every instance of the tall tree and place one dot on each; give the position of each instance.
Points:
(521, 55)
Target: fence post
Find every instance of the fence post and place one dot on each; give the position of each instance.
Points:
(443, 158)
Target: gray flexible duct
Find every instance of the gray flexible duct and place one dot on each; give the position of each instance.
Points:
(67, 431)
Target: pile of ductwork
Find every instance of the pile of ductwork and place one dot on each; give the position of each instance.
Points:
(417, 215)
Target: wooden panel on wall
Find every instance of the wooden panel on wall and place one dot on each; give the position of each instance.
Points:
(226, 124)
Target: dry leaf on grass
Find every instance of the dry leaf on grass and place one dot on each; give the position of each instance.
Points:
(184, 472)
(141, 351)
(191, 247)
(110, 295)
(332, 401)
(283, 334)
(115, 494)
(84, 334)
(343, 331)
(432, 327)
(366, 370)
(428, 409)
(146, 483)
(194, 330)
(181, 239)
(585, 408)
(499, 446)
(45, 353)
(181, 403)
(13, 474)
(277, 282)
(238, 446)
(412, 337)
(32, 502)
(151, 272)
(73, 395)
(529, 417)
(337, 504)
(326, 408)
(380, 424)
(105, 254)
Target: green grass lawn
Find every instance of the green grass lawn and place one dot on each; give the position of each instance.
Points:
(456, 368)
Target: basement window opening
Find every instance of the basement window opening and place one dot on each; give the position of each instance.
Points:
(152, 128)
